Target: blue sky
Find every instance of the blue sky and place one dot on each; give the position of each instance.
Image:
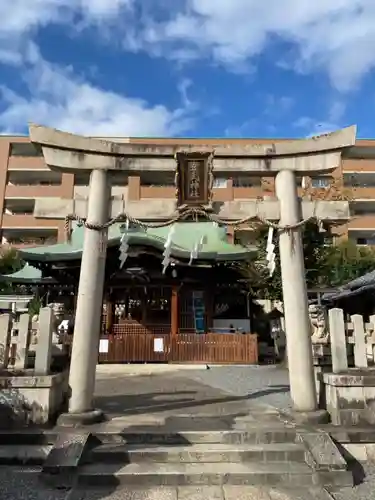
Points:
(231, 68)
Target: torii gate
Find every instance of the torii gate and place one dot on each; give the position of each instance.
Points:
(71, 153)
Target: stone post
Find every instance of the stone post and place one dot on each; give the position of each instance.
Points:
(89, 307)
(43, 349)
(360, 354)
(338, 340)
(372, 322)
(23, 342)
(297, 321)
(5, 335)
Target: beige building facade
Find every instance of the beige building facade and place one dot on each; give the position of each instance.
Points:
(25, 178)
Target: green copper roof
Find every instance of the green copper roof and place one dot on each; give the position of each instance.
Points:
(28, 274)
(66, 251)
(185, 236)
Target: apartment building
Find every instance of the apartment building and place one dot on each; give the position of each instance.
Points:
(24, 177)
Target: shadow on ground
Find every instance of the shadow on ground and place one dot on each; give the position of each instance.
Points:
(197, 398)
(355, 467)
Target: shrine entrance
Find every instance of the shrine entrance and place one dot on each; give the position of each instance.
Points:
(189, 312)
(136, 337)
(194, 168)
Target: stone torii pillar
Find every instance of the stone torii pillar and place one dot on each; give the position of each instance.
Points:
(70, 153)
(89, 303)
(297, 321)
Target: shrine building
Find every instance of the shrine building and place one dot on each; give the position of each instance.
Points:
(150, 315)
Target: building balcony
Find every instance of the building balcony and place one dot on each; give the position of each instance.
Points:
(21, 163)
(34, 177)
(12, 191)
(358, 166)
(252, 193)
(19, 206)
(362, 222)
(360, 193)
(19, 238)
(20, 221)
(157, 192)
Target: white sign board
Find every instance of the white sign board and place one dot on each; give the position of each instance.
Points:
(103, 345)
(158, 345)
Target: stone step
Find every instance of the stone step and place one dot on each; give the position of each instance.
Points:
(209, 474)
(255, 435)
(120, 453)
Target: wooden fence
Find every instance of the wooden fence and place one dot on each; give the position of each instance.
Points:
(182, 348)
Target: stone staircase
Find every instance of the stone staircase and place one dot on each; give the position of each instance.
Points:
(252, 451)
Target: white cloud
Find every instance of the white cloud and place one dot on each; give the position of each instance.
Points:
(20, 16)
(332, 121)
(21, 19)
(311, 126)
(61, 100)
(336, 36)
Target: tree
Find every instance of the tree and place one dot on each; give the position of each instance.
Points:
(270, 287)
(347, 261)
(9, 263)
(326, 266)
(9, 260)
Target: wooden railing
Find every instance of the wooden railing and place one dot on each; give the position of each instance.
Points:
(183, 348)
(217, 348)
(131, 342)
(133, 327)
(135, 348)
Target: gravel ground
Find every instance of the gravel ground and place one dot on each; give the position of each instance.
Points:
(364, 491)
(16, 484)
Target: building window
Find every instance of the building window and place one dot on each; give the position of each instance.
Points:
(320, 182)
(329, 240)
(359, 180)
(26, 149)
(15, 178)
(370, 210)
(220, 182)
(157, 179)
(365, 241)
(22, 206)
(247, 181)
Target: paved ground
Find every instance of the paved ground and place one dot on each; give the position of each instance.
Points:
(206, 493)
(170, 394)
(225, 390)
(17, 486)
(269, 385)
(261, 384)
(252, 385)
